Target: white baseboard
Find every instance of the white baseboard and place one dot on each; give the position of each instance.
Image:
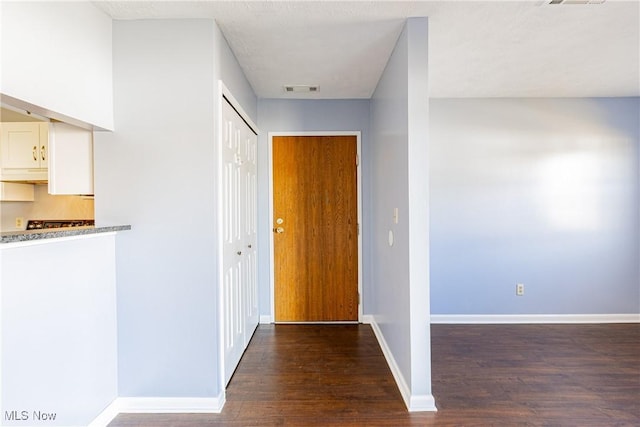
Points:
(533, 318)
(106, 416)
(422, 403)
(168, 405)
(391, 361)
(414, 403)
(265, 319)
(367, 319)
(159, 405)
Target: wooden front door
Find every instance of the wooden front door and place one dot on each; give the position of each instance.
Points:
(315, 226)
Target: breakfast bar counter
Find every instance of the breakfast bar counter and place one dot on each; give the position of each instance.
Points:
(53, 233)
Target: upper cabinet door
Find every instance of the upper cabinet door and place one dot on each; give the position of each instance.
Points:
(24, 145)
(71, 159)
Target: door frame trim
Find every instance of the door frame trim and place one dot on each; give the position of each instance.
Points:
(358, 135)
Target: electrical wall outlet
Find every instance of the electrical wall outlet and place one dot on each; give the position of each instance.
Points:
(19, 222)
(520, 289)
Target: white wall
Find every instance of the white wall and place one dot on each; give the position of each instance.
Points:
(157, 172)
(283, 115)
(536, 191)
(58, 330)
(57, 56)
(44, 206)
(399, 173)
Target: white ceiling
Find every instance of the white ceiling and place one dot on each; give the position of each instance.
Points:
(476, 48)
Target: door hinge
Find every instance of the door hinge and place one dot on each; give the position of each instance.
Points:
(358, 229)
(359, 299)
(357, 160)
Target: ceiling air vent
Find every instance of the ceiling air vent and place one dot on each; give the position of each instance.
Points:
(301, 88)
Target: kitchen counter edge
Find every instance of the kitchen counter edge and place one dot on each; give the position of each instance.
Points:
(25, 236)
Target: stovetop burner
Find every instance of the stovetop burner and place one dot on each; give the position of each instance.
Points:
(40, 224)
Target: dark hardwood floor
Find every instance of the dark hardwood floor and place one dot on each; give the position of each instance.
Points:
(502, 375)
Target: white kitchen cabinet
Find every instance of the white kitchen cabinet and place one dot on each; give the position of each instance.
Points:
(15, 192)
(24, 151)
(56, 152)
(71, 159)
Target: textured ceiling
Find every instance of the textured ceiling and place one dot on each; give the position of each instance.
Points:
(476, 48)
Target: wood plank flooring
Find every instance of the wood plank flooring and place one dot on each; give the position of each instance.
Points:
(506, 375)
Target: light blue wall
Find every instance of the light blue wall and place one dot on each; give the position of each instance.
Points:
(58, 330)
(418, 190)
(157, 172)
(282, 115)
(536, 191)
(399, 174)
(228, 68)
(389, 165)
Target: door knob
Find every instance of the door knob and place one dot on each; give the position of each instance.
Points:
(278, 230)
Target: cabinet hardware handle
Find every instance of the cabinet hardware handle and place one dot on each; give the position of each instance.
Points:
(35, 154)
(249, 246)
(239, 252)
(43, 153)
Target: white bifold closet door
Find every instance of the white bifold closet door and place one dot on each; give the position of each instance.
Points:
(239, 229)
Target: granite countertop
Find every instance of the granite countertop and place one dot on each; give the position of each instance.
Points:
(53, 233)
